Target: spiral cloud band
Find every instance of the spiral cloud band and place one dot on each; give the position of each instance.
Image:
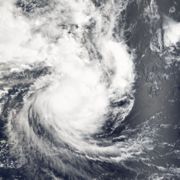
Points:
(88, 83)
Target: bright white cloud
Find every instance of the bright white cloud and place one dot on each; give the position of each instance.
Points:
(171, 31)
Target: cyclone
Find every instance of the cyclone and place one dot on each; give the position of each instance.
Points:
(89, 89)
(89, 81)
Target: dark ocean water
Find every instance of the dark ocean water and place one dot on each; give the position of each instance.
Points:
(140, 138)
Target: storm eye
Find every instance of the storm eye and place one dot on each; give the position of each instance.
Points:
(170, 8)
